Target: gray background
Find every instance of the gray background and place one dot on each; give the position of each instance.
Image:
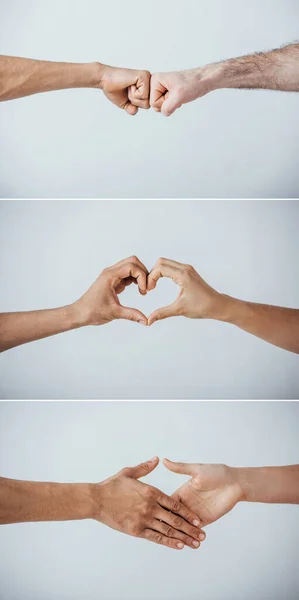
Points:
(75, 143)
(50, 253)
(250, 554)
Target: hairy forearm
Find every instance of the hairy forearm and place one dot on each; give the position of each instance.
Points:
(270, 484)
(274, 70)
(274, 324)
(24, 501)
(22, 76)
(18, 328)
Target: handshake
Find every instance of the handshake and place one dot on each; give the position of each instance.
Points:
(135, 508)
(100, 304)
(164, 92)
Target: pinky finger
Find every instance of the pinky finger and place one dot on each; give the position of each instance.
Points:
(159, 538)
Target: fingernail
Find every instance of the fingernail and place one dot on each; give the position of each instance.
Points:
(180, 545)
(196, 522)
(196, 544)
(153, 459)
(142, 323)
(202, 536)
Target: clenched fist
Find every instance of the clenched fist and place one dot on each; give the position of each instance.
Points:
(127, 88)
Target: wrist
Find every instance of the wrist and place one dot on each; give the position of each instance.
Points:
(80, 313)
(99, 73)
(209, 78)
(245, 477)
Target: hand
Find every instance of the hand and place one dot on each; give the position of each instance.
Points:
(211, 493)
(100, 304)
(127, 88)
(196, 300)
(170, 90)
(135, 508)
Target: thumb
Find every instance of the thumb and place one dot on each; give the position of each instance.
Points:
(131, 314)
(163, 313)
(143, 469)
(170, 104)
(182, 468)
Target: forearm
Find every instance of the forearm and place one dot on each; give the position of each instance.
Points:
(22, 77)
(22, 327)
(270, 484)
(24, 501)
(274, 70)
(274, 324)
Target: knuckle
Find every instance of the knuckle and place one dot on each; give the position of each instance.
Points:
(177, 521)
(161, 261)
(175, 506)
(158, 538)
(169, 531)
(194, 532)
(133, 258)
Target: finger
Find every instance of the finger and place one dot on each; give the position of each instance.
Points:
(171, 532)
(157, 92)
(163, 268)
(171, 104)
(143, 469)
(131, 259)
(179, 467)
(172, 310)
(130, 314)
(130, 109)
(177, 522)
(143, 86)
(131, 269)
(159, 538)
(135, 99)
(179, 509)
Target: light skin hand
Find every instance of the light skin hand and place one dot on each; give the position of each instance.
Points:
(135, 508)
(170, 90)
(212, 491)
(274, 70)
(196, 299)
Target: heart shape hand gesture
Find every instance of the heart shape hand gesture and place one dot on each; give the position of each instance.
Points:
(100, 304)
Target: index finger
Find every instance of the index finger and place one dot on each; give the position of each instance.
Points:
(163, 268)
(178, 508)
(133, 270)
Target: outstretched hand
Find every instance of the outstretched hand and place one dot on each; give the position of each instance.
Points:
(212, 491)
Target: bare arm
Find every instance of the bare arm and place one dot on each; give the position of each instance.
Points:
(278, 485)
(198, 300)
(127, 88)
(274, 70)
(99, 305)
(214, 490)
(121, 502)
(274, 324)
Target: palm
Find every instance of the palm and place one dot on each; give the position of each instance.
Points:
(210, 494)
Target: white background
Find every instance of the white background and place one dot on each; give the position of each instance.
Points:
(75, 143)
(250, 554)
(51, 252)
